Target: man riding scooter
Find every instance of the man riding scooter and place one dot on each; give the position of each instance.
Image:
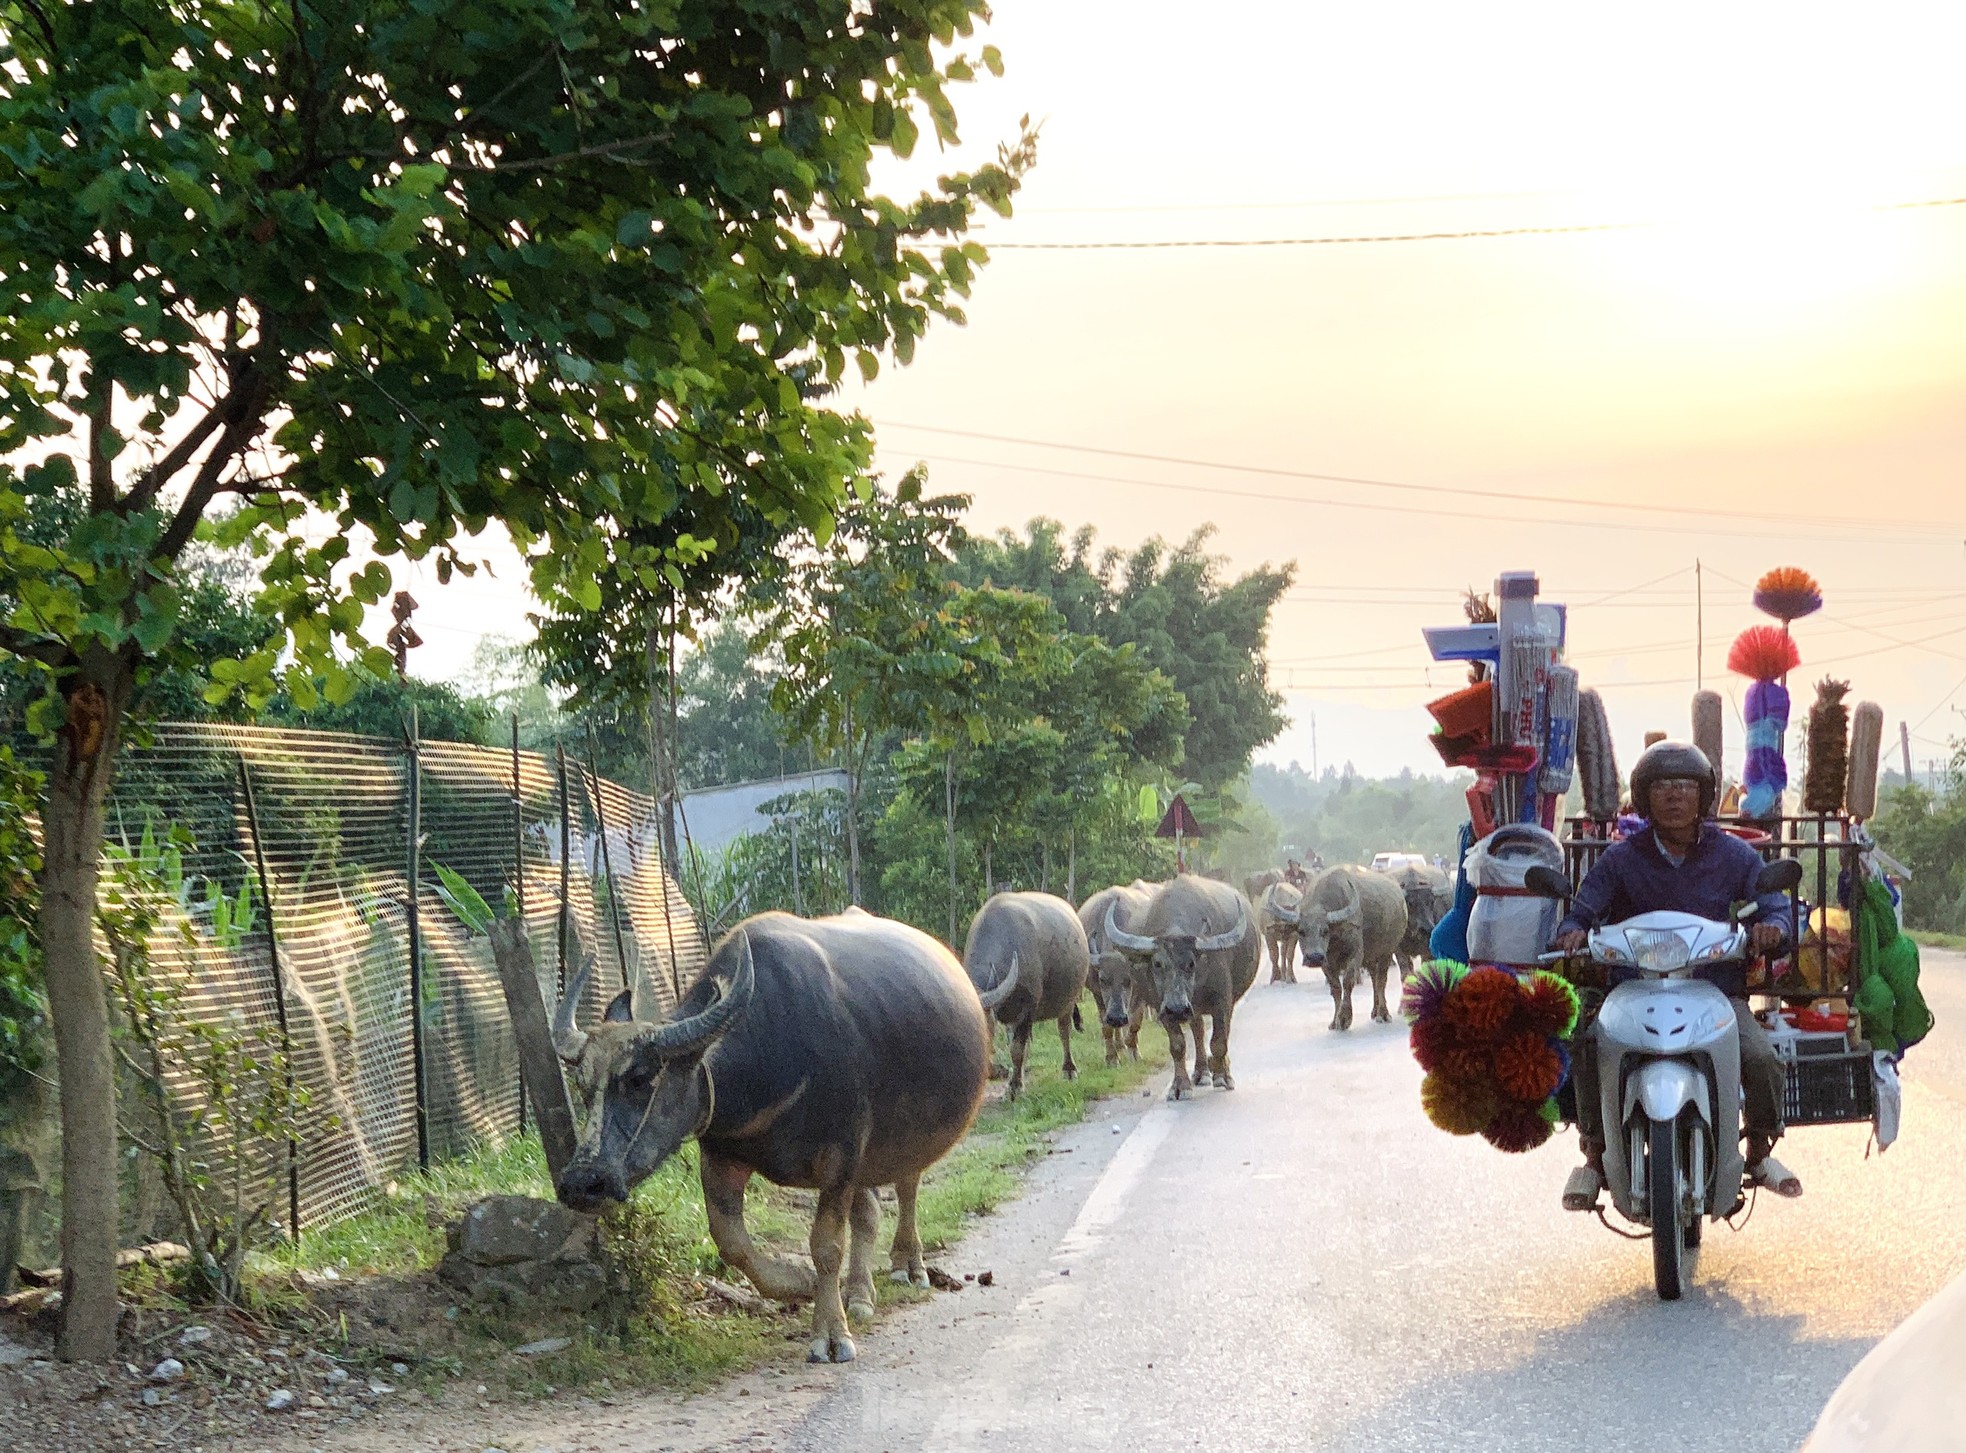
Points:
(1686, 863)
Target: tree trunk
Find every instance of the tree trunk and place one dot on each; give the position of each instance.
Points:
(662, 750)
(949, 818)
(1044, 866)
(1072, 866)
(854, 758)
(79, 1004)
(988, 886)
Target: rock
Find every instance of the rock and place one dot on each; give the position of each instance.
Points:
(505, 1230)
(986, 1278)
(193, 1336)
(401, 1369)
(152, 1398)
(280, 1400)
(378, 1388)
(169, 1370)
(525, 1255)
(544, 1346)
(12, 1354)
(337, 1375)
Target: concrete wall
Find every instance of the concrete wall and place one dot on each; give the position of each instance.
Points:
(717, 815)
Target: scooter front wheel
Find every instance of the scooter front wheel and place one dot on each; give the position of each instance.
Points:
(1665, 1197)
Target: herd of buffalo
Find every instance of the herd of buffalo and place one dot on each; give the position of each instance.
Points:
(849, 1053)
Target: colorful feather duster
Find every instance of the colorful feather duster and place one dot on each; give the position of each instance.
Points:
(1423, 989)
(1788, 594)
(1597, 764)
(1829, 748)
(1764, 653)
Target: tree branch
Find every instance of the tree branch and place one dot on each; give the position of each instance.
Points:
(16, 642)
(102, 479)
(152, 481)
(47, 30)
(606, 148)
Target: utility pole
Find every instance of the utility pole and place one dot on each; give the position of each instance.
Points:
(1904, 744)
(1314, 746)
(1699, 626)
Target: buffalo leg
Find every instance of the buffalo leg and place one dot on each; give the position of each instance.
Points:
(906, 1254)
(830, 1341)
(1218, 1052)
(1177, 1051)
(1020, 1046)
(1114, 1039)
(1136, 1019)
(998, 1069)
(1381, 1013)
(866, 1226)
(723, 1203)
(1340, 1000)
(1350, 980)
(1069, 1069)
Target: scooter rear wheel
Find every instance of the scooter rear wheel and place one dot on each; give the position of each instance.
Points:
(1664, 1198)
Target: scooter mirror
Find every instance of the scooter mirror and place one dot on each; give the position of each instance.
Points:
(1546, 882)
(1784, 875)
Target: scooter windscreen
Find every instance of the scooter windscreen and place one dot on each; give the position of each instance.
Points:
(1667, 942)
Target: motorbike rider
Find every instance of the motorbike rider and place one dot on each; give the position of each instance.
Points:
(1683, 862)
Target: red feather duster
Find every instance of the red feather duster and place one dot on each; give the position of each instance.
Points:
(1528, 1068)
(1481, 1005)
(1763, 653)
(1549, 1006)
(1517, 1128)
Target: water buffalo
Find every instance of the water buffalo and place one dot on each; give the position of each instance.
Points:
(1351, 919)
(1197, 949)
(1254, 885)
(1027, 956)
(1428, 898)
(1117, 989)
(1276, 915)
(838, 1054)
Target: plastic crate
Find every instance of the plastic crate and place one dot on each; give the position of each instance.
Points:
(1829, 1089)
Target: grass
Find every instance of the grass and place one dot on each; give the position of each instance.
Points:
(1955, 941)
(675, 1339)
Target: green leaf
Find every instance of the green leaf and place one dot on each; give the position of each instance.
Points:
(463, 900)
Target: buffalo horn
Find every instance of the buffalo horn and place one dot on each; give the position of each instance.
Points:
(1230, 939)
(993, 997)
(1119, 938)
(700, 1028)
(569, 1039)
(1349, 911)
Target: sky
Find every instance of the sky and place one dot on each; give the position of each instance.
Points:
(1760, 361)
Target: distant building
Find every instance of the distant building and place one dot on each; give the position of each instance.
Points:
(718, 816)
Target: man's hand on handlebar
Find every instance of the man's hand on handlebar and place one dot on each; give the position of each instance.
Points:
(1571, 941)
(1765, 938)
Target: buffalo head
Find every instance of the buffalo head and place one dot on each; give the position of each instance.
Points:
(653, 1085)
(1172, 958)
(1318, 924)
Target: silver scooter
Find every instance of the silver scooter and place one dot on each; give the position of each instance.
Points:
(1669, 1070)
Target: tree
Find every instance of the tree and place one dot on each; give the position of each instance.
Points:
(412, 269)
(728, 731)
(863, 630)
(1207, 635)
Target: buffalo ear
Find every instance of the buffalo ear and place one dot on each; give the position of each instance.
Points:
(621, 1009)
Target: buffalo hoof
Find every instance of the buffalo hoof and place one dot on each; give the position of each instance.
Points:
(858, 1310)
(1334, 1025)
(831, 1347)
(1224, 1081)
(907, 1278)
(1178, 1091)
(1071, 1072)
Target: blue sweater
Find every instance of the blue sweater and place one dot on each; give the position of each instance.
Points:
(1635, 876)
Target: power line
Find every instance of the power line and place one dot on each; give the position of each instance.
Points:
(1755, 516)
(1163, 244)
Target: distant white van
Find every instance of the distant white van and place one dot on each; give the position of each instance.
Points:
(1393, 862)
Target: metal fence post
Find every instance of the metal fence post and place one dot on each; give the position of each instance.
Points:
(566, 863)
(518, 872)
(279, 992)
(413, 868)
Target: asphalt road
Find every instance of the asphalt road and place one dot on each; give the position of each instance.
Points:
(1305, 1263)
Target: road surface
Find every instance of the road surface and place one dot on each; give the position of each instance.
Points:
(1305, 1263)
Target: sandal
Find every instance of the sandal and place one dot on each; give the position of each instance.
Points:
(1772, 1175)
(1580, 1192)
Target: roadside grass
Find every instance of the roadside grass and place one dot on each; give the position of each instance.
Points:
(680, 1335)
(1954, 941)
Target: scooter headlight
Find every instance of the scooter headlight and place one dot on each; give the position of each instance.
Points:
(1657, 950)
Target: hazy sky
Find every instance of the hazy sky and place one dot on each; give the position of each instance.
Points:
(1768, 368)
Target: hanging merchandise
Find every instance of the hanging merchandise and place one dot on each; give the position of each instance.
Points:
(1509, 924)
(1450, 935)
(1491, 1043)
(1829, 748)
(1895, 1015)
(1788, 594)
(1866, 746)
(1709, 727)
(1560, 746)
(1764, 654)
(1597, 762)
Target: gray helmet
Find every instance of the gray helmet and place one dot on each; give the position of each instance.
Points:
(1662, 760)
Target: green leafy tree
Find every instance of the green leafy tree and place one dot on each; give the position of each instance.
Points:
(1172, 604)
(728, 731)
(1924, 827)
(576, 268)
(864, 633)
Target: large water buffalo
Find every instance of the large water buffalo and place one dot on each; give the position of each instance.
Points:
(838, 1054)
(1256, 882)
(1117, 988)
(1428, 897)
(1352, 919)
(1027, 956)
(1197, 949)
(1276, 916)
